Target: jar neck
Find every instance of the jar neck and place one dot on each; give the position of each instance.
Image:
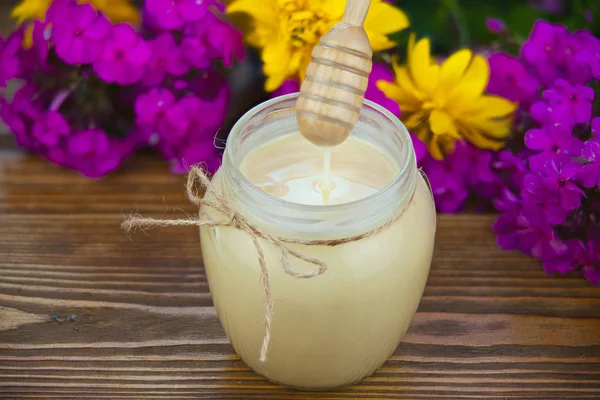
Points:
(276, 118)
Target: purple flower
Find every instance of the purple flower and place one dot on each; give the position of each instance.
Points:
(201, 152)
(94, 154)
(495, 25)
(573, 104)
(543, 50)
(508, 202)
(199, 118)
(510, 169)
(589, 175)
(521, 231)
(507, 230)
(584, 255)
(9, 60)
(544, 210)
(478, 164)
(550, 6)
(214, 98)
(551, 142)
(539, 240)
(591, 57)
(169, 14)
(381, 72)
(589, 259)
(20, 114)
(544, 114)
(165, 58)
(556, 179)
(211, 39)
(573, 48)
(419, 147)
(288, 86)
(543, 181)
(59, 9)
(566, 262)
(79, 35)
(124, 58)
(41, 44)
(595, 127)
(224, 41)
(555, 53)
(510, 79)
(446, 178)
(50, 128)
(151, 109)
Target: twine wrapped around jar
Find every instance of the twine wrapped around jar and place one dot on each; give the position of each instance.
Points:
(197, 183)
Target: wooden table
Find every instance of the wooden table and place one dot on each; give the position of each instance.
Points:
(87, 313)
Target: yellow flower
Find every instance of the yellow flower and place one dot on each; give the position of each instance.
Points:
(286, 31)
(442, 103)
(115, 10)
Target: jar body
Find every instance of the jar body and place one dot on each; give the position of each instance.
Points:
(335, 329)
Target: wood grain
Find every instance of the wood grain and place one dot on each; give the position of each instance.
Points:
(86, 312)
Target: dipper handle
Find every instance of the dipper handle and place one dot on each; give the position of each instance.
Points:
(333, 90)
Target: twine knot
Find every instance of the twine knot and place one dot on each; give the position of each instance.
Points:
(199, 182)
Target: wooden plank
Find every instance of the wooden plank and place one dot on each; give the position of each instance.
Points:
(86, 312)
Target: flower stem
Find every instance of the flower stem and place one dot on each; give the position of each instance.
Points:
(460, 21)
(59, 99)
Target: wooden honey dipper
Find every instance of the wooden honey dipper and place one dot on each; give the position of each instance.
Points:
(333, 90)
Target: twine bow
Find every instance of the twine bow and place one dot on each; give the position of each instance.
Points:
(198, 182)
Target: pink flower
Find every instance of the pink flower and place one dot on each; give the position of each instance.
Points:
(124, 58)
(572, 102)
(192, 124)
(165, 58)
(225, 42)
(381, 72)
(94, 154)
(9, 60)
(447, 182)
(21, 113)
(201, 152)
(50, 128)
(510, 79)
(169, 14)
(211, 39)
(80, 34)
(151, 109)
(288, 86)
(495, 25)
(595, 127)
(420, 148)
(41, 44)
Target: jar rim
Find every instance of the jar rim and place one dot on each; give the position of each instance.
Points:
(408, 156)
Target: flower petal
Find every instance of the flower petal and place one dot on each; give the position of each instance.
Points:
(420, 65)
(498, 128)
(384, 18)
(472, 84)
(442, 124)
(453, 70)
(588, 176)
(488, 106)
(477, 139)
(537, 139)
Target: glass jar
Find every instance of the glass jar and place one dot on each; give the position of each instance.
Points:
(336, 328)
